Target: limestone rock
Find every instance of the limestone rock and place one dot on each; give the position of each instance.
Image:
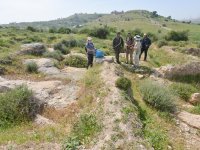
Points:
(192, 68)
(45, 65)
(190, 119)
(195, 99)
(33, 48)
(40, 120)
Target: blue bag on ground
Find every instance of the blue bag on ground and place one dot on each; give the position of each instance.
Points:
(99, 54)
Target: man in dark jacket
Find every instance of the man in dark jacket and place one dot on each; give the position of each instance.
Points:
(118, 45)
(90, 50)
(146, 42)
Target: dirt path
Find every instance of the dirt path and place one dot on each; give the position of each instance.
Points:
(116, 133)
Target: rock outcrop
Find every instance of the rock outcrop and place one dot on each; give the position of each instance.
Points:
(33, 49)
(195, 99)
(169, 71)
(193, 51)
(45, 65)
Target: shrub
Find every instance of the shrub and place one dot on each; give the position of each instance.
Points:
(62, 48)
(32, 67)
(52, 30)
(183, 90)
(158, 96)
(162, 43)
(101, 33)
(17, 106)
(55, 54)
(31, 29)
(64, 30)
(177, 36)
(51, 38)
(76, 61)
(123, 83)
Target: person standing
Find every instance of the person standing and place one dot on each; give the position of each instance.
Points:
(118, 45)
(146, 42)
(90, 50)
(129, 48)
(137, 48)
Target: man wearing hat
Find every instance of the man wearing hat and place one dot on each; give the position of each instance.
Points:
(146, 42)
(137, 48)
(90, 50)
(118, 45)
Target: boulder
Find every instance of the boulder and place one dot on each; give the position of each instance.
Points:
(45, 65)
(195, 99)
(169, 71)
(40, 120)
(33, 49)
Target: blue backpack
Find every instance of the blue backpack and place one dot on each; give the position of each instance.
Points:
(99, 54)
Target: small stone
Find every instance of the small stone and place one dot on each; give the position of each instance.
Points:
(140, 76)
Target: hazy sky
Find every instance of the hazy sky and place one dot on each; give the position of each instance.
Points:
(41, 10)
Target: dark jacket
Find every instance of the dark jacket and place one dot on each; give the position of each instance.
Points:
(146, 42)
(118, 43)
(89, 48)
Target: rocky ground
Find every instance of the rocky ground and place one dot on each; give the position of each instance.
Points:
(60, 88)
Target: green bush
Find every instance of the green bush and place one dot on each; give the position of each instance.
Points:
(183, 90)
(17, 106)
(32, 29)
(62, 48)
(101, 33)
(55, 54)
(158, 96)
(162, 43)
(177, 36)
(76, 61)
(123, 83)
(32, 67)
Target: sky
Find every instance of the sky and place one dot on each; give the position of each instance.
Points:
(44, 10)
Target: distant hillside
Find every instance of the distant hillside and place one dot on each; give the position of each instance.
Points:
(197, 20)
(74, 20)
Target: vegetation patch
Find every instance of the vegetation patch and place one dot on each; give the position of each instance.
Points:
(196, 110)
(123, 83)
(16, 106)
(62, 48)
(76, 61)
(32, 67)
(177, 36)
(183, 90)
(55, 54)
(86, 127)
(162, 43)
(158, 96)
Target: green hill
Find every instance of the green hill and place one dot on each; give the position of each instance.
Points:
(74, 20)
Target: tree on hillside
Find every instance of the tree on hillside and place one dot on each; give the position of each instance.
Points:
(154, 14)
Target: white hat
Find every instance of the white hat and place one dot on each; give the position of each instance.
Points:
(89, 38)
(137, 38)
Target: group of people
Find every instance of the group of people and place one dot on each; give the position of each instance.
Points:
(133, 45)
